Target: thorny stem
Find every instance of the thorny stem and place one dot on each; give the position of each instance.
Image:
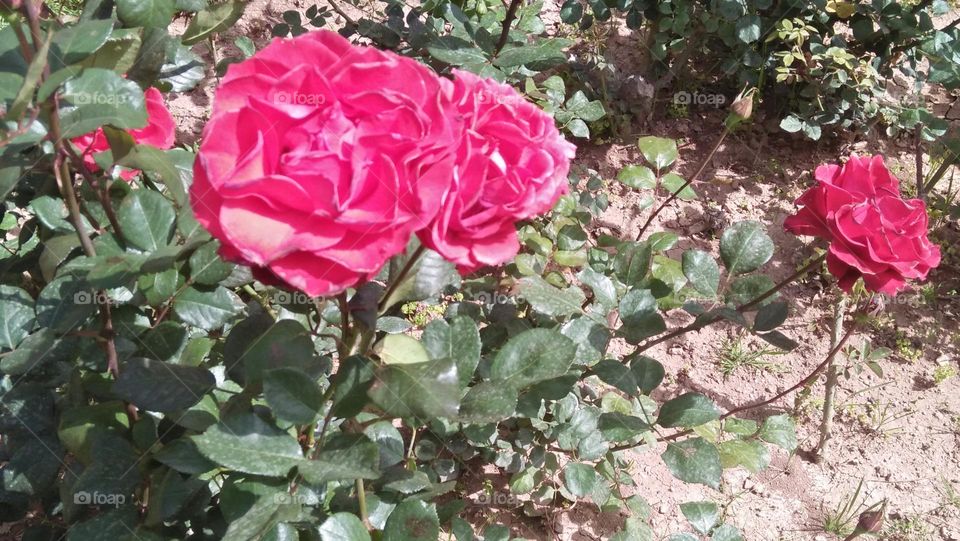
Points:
(699, 324)
(64, 179)
(833, 375)
(101, 191)
(507, 22)
(689, 181)
(802, 383)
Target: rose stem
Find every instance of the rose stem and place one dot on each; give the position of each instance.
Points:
(802, 383)
(833, 375)
(699, 324)
(64, 179)
(507, 21)
(689, 181)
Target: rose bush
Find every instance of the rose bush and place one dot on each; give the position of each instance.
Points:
(512, 164)
(873, 232)
(160, 132)
(316, 168)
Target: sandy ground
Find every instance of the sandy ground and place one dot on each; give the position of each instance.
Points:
(911, 458)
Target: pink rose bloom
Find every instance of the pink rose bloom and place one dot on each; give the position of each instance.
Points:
(159, 132)
(873, 232)
(321, 159)
(512, 164)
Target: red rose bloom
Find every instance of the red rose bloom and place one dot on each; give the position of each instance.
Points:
(873, 232)
(159, 132)
(322, 158)
(512, 164)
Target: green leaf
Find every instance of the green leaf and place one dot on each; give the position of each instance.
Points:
(726, 532)
(744, 247)
(207, 267)
(245, 443)
(292, 395)
(285, 343)
(603, 289)
(579, 479)
(791, 124)
(98, 97)
(158, 287)
(426, 390)
(150, 13)
(65, 303)
(75, 43)
(343, 456)
(571, 11)
(675, 184)
(182, 455)
(16, 316)
(634, 529)
(616, 426)
(617, 374)
(751, 454)
(400, 349)
(532, 356)
(147, 219)
(770, 316)
(261, 520)
(748, 28)
(217, 18)
(658, 151)
(350, 384)
(413, 520)
(641, 319)
(578, 128)
(456, 51)
(632, 262)
(687, 410)
(389, 442)
(662, 241)
(37, 350)
(148, 158)
(548, 50)
(702, 516)
(118, 54)
(428, 277)
(31, 80)
(648, 373)
(779, 430)
(458, 340)
(182, 69)
(343, 527)
(205, 309)
(747, 288)
(550, 300)
(694, 461)
(159, 386)
(488, 402)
